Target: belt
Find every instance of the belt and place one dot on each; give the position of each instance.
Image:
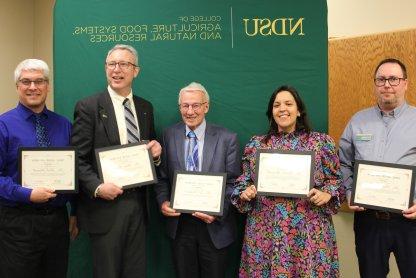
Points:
(41, 210)
(384, 215)
(130, 190)
(188, 218)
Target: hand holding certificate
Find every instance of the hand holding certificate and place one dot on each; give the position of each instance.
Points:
(54, 168)
(198, 191)
(284, 173)
(127, 166)
(383, 186)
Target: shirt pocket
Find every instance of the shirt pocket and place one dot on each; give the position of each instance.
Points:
(364, 149)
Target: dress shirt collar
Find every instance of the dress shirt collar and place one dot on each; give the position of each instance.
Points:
(395, 112)
(27, 113)
(117, 97)
(199, 131)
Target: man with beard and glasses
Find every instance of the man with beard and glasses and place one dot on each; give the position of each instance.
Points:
(386, 133)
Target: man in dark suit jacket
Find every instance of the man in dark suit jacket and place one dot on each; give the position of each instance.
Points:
(113, 217)
(200, 241)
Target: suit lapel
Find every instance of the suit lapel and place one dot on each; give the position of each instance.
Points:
(180, 145)
(141, 118)
(108, 117)
(210, 143)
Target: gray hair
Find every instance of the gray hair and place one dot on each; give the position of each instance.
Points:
(31, 65)
(129, 48)
(194, 87)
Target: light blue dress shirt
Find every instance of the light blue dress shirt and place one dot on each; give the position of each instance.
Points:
(200, 137)
(376, 136)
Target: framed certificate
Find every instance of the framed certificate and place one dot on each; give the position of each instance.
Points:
(198, 191)
(54, 167)
(126, 166)
(383, 186)
(284, 173)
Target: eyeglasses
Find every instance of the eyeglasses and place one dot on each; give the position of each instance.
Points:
(38, 82)
(393, 81)
(122, 65)
(194, 106)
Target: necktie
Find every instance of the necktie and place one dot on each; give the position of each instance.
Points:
(192, 163)
(133, 134)
(41, 133)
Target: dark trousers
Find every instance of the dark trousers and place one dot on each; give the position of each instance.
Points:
(33, 242)
(194, 254)
(379, 234)
(121, 252)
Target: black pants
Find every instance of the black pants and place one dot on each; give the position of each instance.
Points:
(33, 242)
(378, 235)
(121, 252)
(194, 254)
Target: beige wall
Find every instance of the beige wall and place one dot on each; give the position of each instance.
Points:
(348, 18)
(17, 43)
(43, 44)
(26, 29)
(26, 32)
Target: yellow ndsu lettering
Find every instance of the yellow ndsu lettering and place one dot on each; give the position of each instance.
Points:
(273, 27)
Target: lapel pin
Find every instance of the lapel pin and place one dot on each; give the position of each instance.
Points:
(103, 114)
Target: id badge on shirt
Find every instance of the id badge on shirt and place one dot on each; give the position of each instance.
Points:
(363, 137)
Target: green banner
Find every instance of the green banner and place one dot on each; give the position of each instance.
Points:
(239, 50)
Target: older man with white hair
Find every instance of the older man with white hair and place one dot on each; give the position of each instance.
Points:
(199, 240)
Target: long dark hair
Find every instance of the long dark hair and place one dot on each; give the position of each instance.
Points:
(302, 122)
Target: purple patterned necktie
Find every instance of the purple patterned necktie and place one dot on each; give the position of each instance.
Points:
(41, 133)
(192, 163)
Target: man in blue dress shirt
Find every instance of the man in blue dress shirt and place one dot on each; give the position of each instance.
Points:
(385, 132)
(34, 228)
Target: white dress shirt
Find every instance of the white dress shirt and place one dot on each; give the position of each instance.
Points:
(119, 112)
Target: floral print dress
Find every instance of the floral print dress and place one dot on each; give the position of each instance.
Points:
(290, 237)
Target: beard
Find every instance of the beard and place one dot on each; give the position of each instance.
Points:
(388, 104)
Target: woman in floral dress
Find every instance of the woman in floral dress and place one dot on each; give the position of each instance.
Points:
(290, 237)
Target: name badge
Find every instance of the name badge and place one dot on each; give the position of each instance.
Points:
(364, 137)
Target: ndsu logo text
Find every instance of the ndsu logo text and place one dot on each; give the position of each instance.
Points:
(273, 27)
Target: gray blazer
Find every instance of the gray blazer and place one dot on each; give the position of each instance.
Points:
(220, 154)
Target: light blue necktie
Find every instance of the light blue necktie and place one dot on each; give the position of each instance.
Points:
(192, 163)
(41, 134)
